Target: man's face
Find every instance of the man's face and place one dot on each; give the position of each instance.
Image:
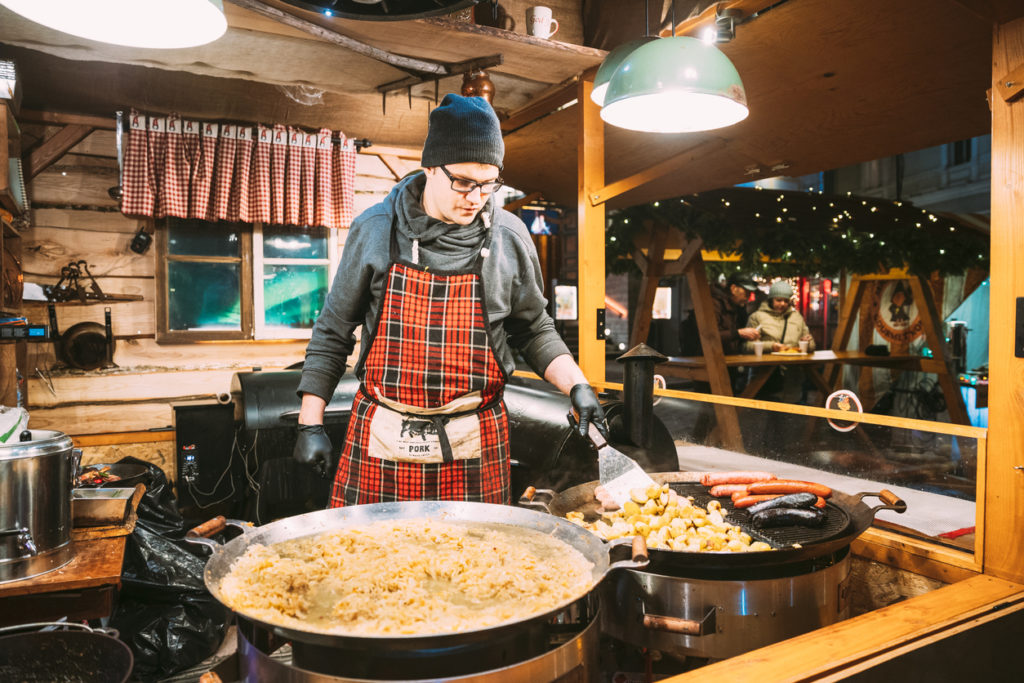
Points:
(446, 204)
(739, 294)
(780, 305)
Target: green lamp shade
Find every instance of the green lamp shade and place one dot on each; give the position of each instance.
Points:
(611, 63)
(675, 85)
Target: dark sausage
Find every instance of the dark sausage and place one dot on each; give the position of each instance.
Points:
(793, 500)
(788, 517)
(785, 486)
(713, 478)
(748, 501)
(726, 490)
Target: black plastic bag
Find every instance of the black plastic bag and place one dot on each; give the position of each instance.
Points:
(164, 612)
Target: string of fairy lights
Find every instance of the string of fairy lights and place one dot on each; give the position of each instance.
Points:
(789, 232)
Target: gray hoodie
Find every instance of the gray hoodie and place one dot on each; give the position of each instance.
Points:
(516, 308)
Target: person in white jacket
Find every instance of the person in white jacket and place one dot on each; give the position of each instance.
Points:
(781, 325)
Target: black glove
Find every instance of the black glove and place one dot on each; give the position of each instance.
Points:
(313, 448)
(588, 409)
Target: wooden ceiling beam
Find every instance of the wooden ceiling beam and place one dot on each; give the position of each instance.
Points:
(398, 61)
(64, 119)
(43, 155)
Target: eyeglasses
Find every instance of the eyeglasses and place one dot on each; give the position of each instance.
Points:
(465, 185)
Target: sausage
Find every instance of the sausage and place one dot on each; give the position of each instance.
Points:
(739, 477)
(820, 503)
(726, 490)
(747, 501)
(793, 500)
(785, 486)
(788, 517)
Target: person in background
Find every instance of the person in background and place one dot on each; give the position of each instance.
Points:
(780, 323)
(445, 284)
(731, 313)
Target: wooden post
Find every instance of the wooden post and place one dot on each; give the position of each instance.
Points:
(933, 334)
(714, 357)
(591, 220)
(653, 270)
(1004, 482)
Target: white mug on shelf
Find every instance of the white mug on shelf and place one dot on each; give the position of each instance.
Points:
(539, 22)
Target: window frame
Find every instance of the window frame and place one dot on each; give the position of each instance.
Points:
(261, 332)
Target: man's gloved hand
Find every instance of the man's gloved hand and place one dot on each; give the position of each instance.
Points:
(313, 448)
(588, 409)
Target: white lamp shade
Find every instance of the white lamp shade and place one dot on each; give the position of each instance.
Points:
(675, 85)
(132, 23)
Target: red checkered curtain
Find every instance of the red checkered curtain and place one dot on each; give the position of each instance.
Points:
(307, 207)
(323, 207)
(223, 173)
(226, 172)
(202, 181)
(156, 138)
(343, 178)
(137, 193)
(278, 174)
(177, 170)
(259, 189)
(293, 184)
(238, 208)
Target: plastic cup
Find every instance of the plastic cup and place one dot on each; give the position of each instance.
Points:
(758, 349)
(804, 346)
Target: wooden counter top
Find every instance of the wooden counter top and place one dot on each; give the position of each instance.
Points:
(96, 562)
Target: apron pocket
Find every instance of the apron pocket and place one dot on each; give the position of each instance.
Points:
(401, 437)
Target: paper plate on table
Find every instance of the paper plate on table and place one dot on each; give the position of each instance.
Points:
(784, 353)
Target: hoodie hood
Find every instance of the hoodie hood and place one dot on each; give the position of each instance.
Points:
(446, 238)
(766, 306)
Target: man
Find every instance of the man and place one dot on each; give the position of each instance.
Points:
(445, 284)
(730, 303)
(779, 322)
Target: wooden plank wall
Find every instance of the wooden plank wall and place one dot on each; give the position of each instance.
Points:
(74, 218)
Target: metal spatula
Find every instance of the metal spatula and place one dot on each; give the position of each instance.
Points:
(618, 472)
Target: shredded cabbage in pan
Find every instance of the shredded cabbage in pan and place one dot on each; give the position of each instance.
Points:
(406, 578)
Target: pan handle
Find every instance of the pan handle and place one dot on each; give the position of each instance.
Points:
(638, 553)
(890, 501)
(686, 627)
(534, 498)
(201, 533)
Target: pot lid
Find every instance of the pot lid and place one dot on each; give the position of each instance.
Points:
(43, 442)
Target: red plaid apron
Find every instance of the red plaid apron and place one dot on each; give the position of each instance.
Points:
(138, 196)
(343, 177)
(157, 140)
(306, 209)
(177, 170)
(431, 355)
(293, 181)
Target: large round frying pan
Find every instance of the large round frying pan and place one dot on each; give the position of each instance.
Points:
(89, 656)
(847, 516)
(471, 514)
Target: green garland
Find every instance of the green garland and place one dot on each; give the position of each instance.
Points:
(785, 233)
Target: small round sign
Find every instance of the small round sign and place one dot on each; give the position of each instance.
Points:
(847, 401)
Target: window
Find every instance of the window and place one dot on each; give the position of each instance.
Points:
(959, 152)
(224, 281)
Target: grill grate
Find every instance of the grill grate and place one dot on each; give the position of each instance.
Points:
(836, 520)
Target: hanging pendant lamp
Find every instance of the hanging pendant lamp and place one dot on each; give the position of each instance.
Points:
(132, 23)
(675, 85)
(610, 64)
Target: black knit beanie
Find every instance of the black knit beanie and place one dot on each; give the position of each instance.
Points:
(462, 130)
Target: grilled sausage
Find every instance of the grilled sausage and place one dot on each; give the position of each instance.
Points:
(788, 517)
(793, 500)
(785, 486)
(726, 490)
(741, 477)
(820, 503)
(748, 501)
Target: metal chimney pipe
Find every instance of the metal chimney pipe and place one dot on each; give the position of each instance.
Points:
(638, 393)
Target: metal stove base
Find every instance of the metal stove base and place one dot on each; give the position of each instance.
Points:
(28, 567)
(717, 619)
(575, 661)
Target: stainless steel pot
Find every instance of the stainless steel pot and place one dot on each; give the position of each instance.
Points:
(317, 650)
(36, 479)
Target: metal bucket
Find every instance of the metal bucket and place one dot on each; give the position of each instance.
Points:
(36, 479)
